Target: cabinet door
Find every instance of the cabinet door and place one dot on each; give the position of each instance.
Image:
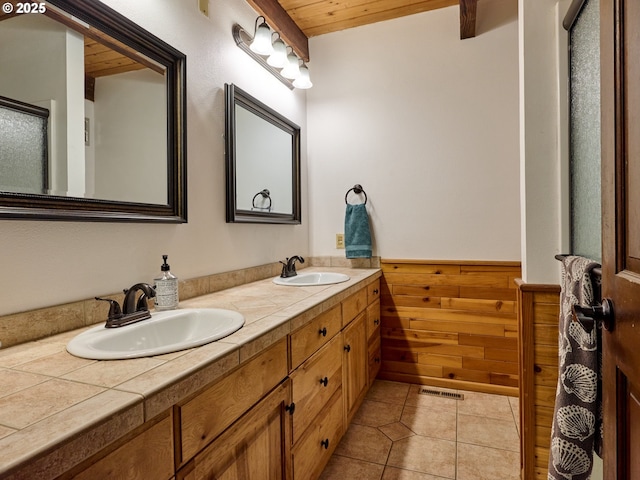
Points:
(256, 447)
(149, 454)
(354, 365)
(375, 359)
(373, 339)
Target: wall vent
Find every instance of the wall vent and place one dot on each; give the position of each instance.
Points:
(438, 393)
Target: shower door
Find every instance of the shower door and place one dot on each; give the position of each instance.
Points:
(620, 80)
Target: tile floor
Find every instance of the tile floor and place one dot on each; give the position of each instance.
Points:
(399, 434)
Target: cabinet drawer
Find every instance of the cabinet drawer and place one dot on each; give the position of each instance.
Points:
(373, 291)
(314, 383)
(314, 335)
(373, 320)
(205, 416)
(312, 452)
(375, 358)
(132, 459)
(353, 305)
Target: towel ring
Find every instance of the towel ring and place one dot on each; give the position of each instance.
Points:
(357, 189)
(265, 194)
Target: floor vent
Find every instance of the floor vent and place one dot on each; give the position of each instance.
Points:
(438, 393)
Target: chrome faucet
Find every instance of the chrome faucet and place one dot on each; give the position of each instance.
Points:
(289, 268)
(131, 311)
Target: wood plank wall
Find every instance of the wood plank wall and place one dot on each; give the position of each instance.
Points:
(538, 312)
(450, 324)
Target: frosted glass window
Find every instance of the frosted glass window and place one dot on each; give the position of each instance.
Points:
(584, 60)
(23, 150)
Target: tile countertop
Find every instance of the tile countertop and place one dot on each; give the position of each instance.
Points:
(57, 409)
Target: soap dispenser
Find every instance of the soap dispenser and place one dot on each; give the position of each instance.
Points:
(166, 286)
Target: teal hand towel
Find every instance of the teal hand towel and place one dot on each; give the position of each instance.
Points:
(357, 235)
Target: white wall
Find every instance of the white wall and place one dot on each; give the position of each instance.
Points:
(543, 138)
(49, 263)
(130, 111)
(428, 124)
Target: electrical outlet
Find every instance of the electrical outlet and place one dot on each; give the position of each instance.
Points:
(203, 5)
(339, 240)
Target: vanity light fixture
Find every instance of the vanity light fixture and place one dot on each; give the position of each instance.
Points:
(273, 57)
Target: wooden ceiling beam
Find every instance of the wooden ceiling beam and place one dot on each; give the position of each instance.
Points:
(468, 18)
(279, 19)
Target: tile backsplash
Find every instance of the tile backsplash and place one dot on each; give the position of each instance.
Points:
(35, 324)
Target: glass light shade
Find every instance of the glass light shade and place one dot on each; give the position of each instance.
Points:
(292, 69)
(262, 41)
(278, 58)
(304, 80)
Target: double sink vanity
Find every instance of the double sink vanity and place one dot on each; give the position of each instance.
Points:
(271, 400)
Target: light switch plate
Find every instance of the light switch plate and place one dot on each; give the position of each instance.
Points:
(339, 240)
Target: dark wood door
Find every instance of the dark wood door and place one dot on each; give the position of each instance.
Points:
(620, 62)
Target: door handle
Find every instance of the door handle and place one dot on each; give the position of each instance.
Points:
(588, 316)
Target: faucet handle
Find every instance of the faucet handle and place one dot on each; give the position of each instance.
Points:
(114, 308)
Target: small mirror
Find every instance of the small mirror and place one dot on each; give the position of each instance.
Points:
(263, 162)
(92, 116)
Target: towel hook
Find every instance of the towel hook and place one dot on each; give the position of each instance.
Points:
(357, 189)
(265, 194)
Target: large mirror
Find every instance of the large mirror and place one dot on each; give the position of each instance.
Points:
(92, 116)
(263, 161)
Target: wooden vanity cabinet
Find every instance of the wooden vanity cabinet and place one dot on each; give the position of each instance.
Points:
(255, 447)
(278, 416)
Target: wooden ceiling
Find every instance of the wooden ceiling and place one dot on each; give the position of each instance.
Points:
(297, 20)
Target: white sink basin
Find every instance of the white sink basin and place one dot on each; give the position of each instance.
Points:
(164, 332)
(311, 279)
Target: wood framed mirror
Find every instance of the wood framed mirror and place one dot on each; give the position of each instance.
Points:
(111, 101)
(262, 162)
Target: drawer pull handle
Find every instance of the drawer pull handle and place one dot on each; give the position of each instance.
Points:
(347, 348)
(290, 408)
(325, 443)
(324, 381)
(376, 321)
(375, 291)
(323, 331)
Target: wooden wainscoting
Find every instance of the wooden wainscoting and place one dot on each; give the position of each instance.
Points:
(450, 324)
(538, 312)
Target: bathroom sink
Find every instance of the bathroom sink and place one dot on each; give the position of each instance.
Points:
(311, 279)
(164, 332)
